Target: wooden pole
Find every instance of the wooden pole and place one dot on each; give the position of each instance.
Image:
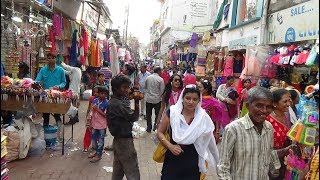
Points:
(82, 11)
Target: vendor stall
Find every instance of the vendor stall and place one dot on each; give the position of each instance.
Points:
(18, 95)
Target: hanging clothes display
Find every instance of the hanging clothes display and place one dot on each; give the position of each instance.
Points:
(97, 60)
(228, 66)
(210, 62)
(93, 53)
(57, 25)
(251, 66)
(194, 40)
(127, 56)
(206, 38)
(52, 39)
(114, 57)
(202, 55)
(82, 58)
(73, 51)
(238, 64)
(67, 33)
(220, 61)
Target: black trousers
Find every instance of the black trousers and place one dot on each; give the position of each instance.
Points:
(149, 107)
(46, 117)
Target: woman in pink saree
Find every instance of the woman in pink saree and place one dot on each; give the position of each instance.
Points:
(211, 105)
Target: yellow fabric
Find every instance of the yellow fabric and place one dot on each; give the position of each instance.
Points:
(160, 151)
(206, 38)
(314, 167)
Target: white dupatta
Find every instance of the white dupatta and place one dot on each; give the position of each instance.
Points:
(199, 133)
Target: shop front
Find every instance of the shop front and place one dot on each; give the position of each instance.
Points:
(294, 38)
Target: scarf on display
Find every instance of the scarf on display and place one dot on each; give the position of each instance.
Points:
(173, 100)
(73, 51)
(199, 133)
(114, 57)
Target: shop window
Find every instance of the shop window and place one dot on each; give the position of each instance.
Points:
(246, 11)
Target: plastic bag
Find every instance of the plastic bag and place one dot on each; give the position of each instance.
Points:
(137, 130)
(305, 105)
(38, 144)
(87, 94)
(72, 112)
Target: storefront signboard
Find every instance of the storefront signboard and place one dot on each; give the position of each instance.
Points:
(297, 23)
(242, 43)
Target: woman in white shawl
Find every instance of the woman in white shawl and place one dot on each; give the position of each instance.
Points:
(191, 138)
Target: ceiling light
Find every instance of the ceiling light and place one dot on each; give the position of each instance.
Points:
(2, 15)
(17, 19)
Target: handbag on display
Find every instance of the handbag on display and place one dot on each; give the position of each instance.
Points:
(159, 153)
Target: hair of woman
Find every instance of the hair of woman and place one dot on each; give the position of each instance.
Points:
(168, 88)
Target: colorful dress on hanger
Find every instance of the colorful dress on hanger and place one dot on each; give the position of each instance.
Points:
(93, 53)
(228, 66)
(252, 65)
(73, 51)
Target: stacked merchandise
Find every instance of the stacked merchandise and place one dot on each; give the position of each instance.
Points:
(201, 61)
(303, 133)
(4, 169)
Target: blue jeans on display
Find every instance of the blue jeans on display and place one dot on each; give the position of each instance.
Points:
(98, 140)
(105, 56)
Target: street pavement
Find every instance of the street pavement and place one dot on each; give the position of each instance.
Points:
(75, 165)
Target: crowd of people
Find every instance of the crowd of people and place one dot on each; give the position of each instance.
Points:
(250, 123)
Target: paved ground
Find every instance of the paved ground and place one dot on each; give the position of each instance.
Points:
(75, 165)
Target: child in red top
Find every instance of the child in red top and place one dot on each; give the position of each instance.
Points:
(87, 135)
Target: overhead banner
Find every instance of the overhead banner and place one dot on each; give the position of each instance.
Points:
(297, 23)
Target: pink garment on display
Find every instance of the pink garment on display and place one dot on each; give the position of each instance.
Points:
(275, 59)
(57, 24)
(228, 66)
(52, 40)
(81, 48)
(97, 56)
(85, 37)
(252, 65)
(302, 57)
(268, 69)
(128, 56)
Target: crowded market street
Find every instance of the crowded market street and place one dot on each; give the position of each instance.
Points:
(159, 89)
(74, 164)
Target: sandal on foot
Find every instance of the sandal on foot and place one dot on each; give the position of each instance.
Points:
(95, 159)
(91, 155)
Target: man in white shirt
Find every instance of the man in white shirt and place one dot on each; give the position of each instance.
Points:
(154, 88)
(75, 75)
(142, 76)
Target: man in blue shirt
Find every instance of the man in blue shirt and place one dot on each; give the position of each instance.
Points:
(51, 76)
